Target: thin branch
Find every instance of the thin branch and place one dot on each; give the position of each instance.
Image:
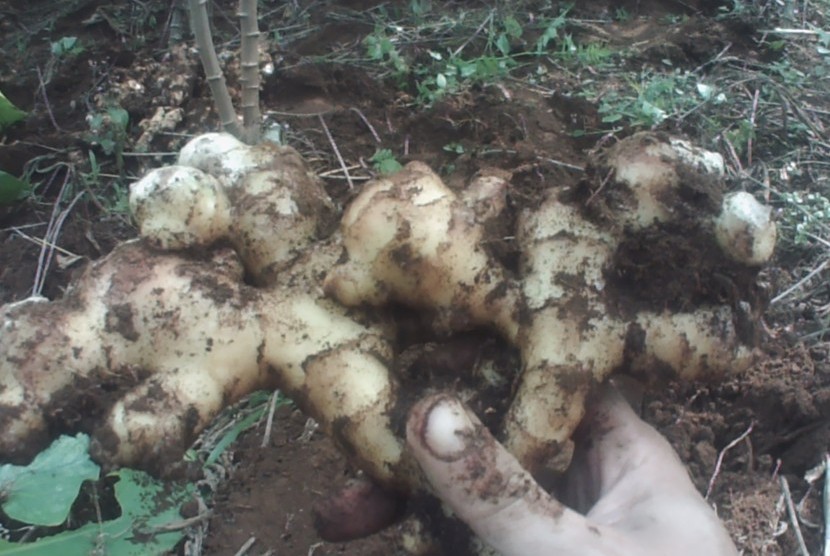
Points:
(721, 455)
(826, 505)
(179, 525)
(561, 163)
(478, 30)
(780, 31)
(210, 62)
(800, 283)
(42, 243)
(42, 87)
(752, 116)
(337, 152)
(56, 220)
(272, 407)
(366, 121)
(788, 499)
(245, 547)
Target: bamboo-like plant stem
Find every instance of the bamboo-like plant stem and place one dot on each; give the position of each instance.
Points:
(249, 76)
(213, 73)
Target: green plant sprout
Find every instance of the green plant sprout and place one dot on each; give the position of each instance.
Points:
(380, 48)
(12, 189)
(384, 162)
(494, 49)
(454, 147)
(804, 216)
(66, 47)
(108, 129)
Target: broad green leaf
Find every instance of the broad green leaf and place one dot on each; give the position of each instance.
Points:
(512, 27)
(9, 113)
(42, 492)
(389, 166)
(503, 44)
(118, 116)
(11, 188)
(385, 163)
(67, 46)
(149, 523)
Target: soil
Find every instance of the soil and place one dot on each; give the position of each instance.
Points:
(779, 409)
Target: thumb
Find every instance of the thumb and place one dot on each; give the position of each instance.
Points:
(490, 491)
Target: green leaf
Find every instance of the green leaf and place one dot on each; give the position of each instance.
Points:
(42, 492)
(551, 32)
(385, 162)
(149, 523)
(512, 27)
(9, 113)
(12, 189)
(503, 44)
(118, 116)
(67, 46)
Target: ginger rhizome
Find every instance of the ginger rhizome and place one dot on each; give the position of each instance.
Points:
(240, 282)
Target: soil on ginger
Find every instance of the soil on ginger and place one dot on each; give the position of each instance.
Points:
(528, 131)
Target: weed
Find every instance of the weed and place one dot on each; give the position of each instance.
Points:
(804, 216)
(108, 129)
(458, 73)
(384, 162)
(622, 15)
(380, 48)
(66, 47)
(420, 8)
(12, 189)
(592, 54)
(740, 135)
(454, 147)
(490, 52)
(674, 19)
(652, 97)
(738, 9)
(9, 113)
(116, 200)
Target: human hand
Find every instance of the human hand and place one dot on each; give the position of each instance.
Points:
(636, 492)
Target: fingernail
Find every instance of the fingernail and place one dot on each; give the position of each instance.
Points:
(447, 429)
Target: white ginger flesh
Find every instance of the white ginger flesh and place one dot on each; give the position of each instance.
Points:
(178, 207)
(572, 329)
(182, 338)
(574, 340)
(745, 229)
(262, 198)
(654, 175)
(411, 240)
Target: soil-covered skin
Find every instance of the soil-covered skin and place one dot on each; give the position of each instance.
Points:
(533, 132)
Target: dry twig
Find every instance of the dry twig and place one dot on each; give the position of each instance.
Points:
(336, 152)
(245, 547)
(826, 505)
(50, 238)
(788, 499)
(369, 125)
(721, 455)
(272, 407)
